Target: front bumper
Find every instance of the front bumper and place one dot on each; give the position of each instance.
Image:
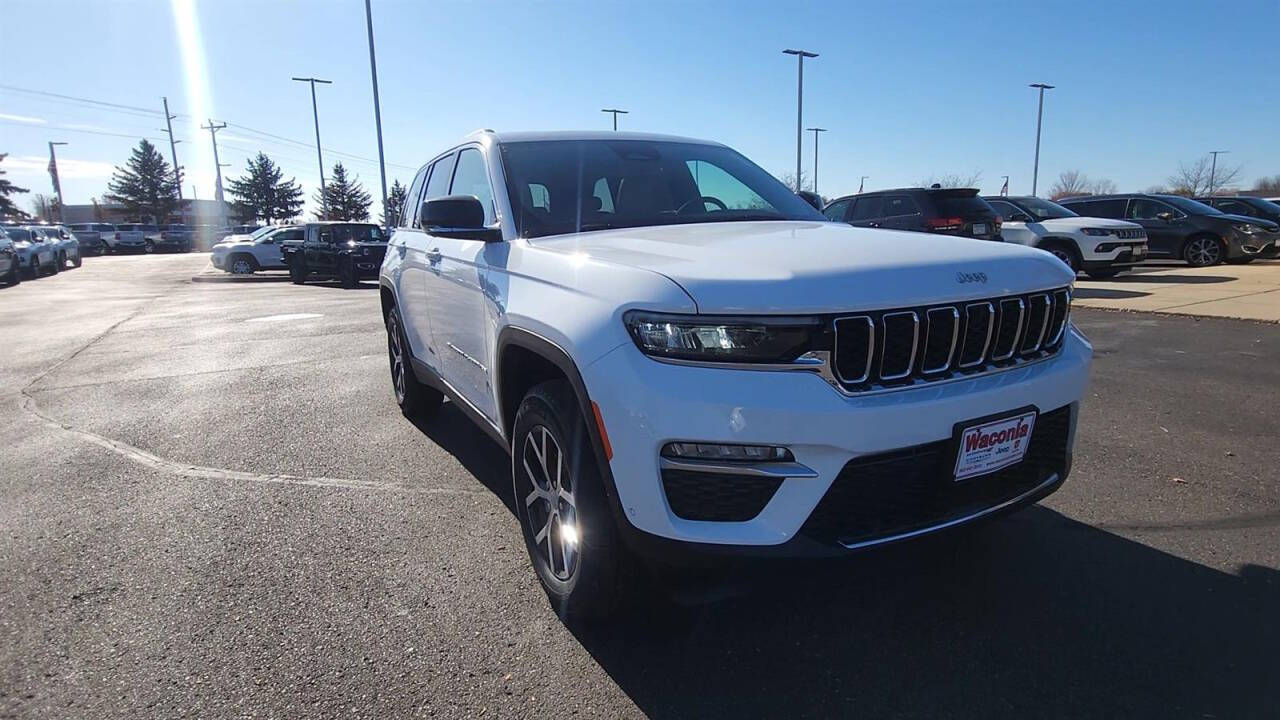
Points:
(646, 404)
(1102, 253)
(1264, 246)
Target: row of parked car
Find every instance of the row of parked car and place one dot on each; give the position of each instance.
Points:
(144, 238)
(31, 251)
(346, 251)
(1101, 235)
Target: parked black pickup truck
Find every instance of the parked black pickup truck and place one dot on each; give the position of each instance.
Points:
(346, 251)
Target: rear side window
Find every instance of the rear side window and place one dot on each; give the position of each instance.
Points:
(837, 210)
(897, 205)
(1004, 208)
(1113, 208)
(868, 207)
(412, 201)
(1234, 207)
(950, 205)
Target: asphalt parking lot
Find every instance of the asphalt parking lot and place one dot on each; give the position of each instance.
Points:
(212, 508)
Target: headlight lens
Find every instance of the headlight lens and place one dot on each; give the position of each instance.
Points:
(1097, 232)
(724, 338)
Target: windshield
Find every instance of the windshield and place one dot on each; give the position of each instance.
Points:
(1189, 206)
(19, 234)
(263, 232)
(1265, 206)
(566, 186)
(1043, 209)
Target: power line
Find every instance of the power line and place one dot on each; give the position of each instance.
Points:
(134, 136)
(148, 111)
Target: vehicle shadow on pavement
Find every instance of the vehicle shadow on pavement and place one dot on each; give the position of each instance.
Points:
(1035, 615)
(1174, 279)
(1092, 293)
(482, 457)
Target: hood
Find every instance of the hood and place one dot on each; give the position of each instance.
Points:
(1076, 223)
(815, 267)
(1264, 223)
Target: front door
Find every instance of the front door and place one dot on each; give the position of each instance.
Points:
(460, 322)
(321, 250)
(1163, 224)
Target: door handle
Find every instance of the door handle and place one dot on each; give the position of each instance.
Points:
(433, 255)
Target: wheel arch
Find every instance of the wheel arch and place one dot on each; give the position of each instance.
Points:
(1182, 249)
(524, 359)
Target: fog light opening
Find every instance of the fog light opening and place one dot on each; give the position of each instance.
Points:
(726, 453)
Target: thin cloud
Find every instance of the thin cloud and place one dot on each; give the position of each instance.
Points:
(68, 168)
(24, 119)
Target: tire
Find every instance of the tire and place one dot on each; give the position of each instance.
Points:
(1106, 274)
(1203, 251)
(34, 271)
(415, 399)
(61, 260)
(1240, 260)
(78, 261)
(557, 485)
(297, 270)
(347, 275)
(56, 267)
(148, 247)
(241, 264)
(1065, 253)
(15, 273)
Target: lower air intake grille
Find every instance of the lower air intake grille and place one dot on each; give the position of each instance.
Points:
(718, 497)
(897, 492)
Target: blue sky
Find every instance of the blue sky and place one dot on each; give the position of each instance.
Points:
(908, 90)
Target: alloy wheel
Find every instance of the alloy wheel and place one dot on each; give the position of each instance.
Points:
(396, 352)
(241, 267)
(1203, 252)
(552, 508)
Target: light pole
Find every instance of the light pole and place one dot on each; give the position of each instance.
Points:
(862, 180)
(1004, 189)
(616, 113)
(815, 131)
(53, 173)
(213, 129)
(324, 199)
(1035, 172)
(800, 56)
(1212, 171)
(377, 111)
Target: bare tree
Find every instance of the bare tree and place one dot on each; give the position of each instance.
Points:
(1268, 185)
(789, 179)
(1102, 187)
(1200, 177)
(1071, 183)
(952, 180)
(45, 207)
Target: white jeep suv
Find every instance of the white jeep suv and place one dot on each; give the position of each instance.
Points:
(1101, 247)
(681, 355)
(245, 254)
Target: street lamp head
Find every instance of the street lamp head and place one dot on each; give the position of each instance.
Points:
(801, 53)
(1042, 86)
(615, 110)
(816, 129)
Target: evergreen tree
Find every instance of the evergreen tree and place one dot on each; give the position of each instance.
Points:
(394, 210)
(145, 185)
(347, 198)
(263, 193)
(7, 208)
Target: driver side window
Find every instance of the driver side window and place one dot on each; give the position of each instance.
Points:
(1144, 209)
(713, 182)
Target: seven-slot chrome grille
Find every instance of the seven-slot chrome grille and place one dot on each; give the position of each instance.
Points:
(894, 348)
(1131, 234)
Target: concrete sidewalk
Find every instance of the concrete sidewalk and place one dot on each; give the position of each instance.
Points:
(1250, 292)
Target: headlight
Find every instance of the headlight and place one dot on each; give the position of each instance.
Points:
(1096, 232)
(22, 245)
(724, 338)
(1248, 229)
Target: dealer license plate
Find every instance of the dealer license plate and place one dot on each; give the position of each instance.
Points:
(979, 229)
(993, 445)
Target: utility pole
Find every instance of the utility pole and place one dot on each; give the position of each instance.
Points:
(862, 180)
(213, 129)
(1004, 189)
(800, 56)
(1035, 172)
(173, 149)
(377, 110)
(1212, 172)
(53, 173)
(616, 113)
(324, 199)
(815, 131)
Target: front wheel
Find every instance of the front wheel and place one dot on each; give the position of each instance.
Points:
(564, 515)
(149, 247)
(1066, 254)
(241, 265)
(415, 399)
(56, 266)
(15, 273)
(77, 261)
(1203, 251)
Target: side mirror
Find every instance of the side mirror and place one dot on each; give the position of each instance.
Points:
(1165, 216)
(1019, 217)
(812, 198)
(457, 216)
